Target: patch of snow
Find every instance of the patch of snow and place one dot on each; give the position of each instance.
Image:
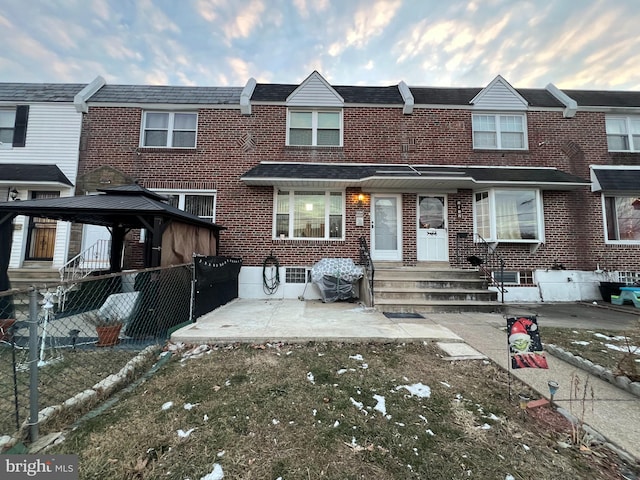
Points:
(205, 418)
(446, 384)
(493, 417)
(364, 366)
(526, 447)
(311, 378)
(336, 424)
(581, 342)
(342, 371)
(417, 389)
(630, 348)
(221, 454)
(357, 404)
(423, 418)
(430, 432)
(189, 406)
(167, 405)
(381, 405)
(183, 434)
(357, 357)
(486, 426)
(315, 412)
(275, 422)
(216, 473)
(509, 477)
(617, 338)
(227, 383)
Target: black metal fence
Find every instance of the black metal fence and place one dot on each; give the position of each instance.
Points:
(66, 347)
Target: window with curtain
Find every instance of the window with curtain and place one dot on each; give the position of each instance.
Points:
(309, 214)
(622, 219)
(623, 133)
(169, 129)
(499, 132)
(508, 215)
(314, 128)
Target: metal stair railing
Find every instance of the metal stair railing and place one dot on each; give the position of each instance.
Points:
(96, 257)
(367, 263)
(480, 254)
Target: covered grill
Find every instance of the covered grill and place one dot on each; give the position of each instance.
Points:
(336, 278)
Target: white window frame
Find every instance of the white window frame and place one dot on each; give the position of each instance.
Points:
(493, 236)
(170, 129)
(314, 126)
(327, 213)
(627, 119)
(498, 130)
(182, 194)
(605, 222)
(8, 145)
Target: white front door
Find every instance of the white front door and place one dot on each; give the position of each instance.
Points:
(386, 227)
(433, 241)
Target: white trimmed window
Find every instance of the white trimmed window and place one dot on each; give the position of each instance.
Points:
(169, 129)
(509, 215)
(500, 131)
(623, 134)
(202, 204)
(301, 214)
(13, 126)
(622, 219)
(314, 128)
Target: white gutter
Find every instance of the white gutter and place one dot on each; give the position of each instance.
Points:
(80, 100)
(245, 96)
(570, 104)
(407, 96)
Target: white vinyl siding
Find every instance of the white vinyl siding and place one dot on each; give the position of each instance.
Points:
(499, 131)
(314, 128)
(623, 134)
(169, 129)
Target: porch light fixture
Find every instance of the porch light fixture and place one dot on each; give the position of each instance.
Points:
(360, 199)
(13, 193)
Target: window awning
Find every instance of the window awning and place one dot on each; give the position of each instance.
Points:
(29, 174)
(403, 177)
(615, 179)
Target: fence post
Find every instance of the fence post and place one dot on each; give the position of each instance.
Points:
(33, 364)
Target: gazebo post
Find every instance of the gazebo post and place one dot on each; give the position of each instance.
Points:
(156, 242)
(117, 243)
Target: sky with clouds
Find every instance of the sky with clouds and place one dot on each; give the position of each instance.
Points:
(591, 44)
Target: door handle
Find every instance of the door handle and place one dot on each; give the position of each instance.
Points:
(372, 225)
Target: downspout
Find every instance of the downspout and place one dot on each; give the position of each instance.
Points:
(407, 96)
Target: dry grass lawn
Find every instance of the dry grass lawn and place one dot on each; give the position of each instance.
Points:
(328, 411)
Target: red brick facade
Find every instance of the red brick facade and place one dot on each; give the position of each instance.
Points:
(574, 233)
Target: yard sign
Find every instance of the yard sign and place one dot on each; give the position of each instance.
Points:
(525, 347)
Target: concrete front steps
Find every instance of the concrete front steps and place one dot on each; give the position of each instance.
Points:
(33, 273)
(435, 288)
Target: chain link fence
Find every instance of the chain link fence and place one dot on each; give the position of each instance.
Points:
(65, 347)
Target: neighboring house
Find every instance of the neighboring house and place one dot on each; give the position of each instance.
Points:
(39, 140)
(548, 178)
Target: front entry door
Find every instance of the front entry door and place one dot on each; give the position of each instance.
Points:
(386, 227)
(42, 232)
(433, 241)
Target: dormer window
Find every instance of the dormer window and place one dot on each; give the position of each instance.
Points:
(500, 131)
(314, 128)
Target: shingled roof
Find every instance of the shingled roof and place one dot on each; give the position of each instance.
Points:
(167, 94)
(33, 173)
(39, 92)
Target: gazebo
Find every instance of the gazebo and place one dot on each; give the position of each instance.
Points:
(172, 235)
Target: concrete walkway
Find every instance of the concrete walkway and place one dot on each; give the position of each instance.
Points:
(614, 413)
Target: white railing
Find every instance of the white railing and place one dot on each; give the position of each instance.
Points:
(96, 257)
